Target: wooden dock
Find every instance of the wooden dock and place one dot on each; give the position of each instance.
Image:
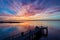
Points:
(35, 34)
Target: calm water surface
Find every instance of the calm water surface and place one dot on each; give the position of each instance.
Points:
(9, 29)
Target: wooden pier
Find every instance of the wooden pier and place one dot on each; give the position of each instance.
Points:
(35, 34)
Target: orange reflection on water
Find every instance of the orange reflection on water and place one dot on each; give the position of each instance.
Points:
(25, 24)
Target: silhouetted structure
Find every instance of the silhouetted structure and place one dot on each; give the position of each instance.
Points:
(9, 22)
(35, 34)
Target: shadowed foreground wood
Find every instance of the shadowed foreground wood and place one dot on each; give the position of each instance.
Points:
(35, 34)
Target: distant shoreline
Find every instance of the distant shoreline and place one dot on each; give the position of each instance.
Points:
(10, 22)
(39, 20)
(26, 20)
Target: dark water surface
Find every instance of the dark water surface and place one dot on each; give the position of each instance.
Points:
(9, 29)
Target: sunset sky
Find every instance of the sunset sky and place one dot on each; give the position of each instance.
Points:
(29, 9)
(17, 10)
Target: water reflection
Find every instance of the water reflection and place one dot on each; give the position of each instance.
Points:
(15, 28)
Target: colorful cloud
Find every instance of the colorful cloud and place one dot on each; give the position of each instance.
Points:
(27, 8)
